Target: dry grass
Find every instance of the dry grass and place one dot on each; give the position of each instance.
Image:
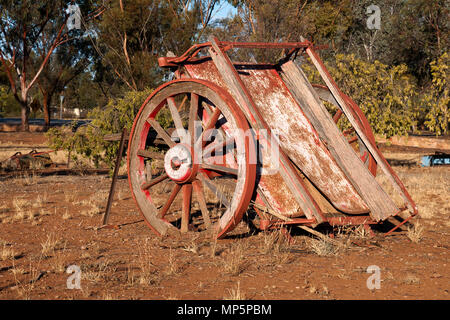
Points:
(4, 216)
(415, 233)
(411, 279)
(323, 248)
(148, 274)
(235, 294)
(49, 246)
(6, 252)
(214, 246)
(66, 215)
(26, 286)
(94, 204)
(274, 242)
(20, 205)
(59, 263)
(27, 180)
(99, 272)
(108, 296)
(428, 187)
(69, 196)
(192, 246)
(92, 211)
(172, 268)
(234, 262)
(275, 245)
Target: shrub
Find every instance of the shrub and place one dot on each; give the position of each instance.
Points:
(386, 95)
(88, 140)
(436, 99)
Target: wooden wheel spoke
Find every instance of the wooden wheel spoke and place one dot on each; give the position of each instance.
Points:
(211, 186)
(219, 168)
(198, 190)
(161, 132)
(150, 154)
(155, 181)
(193, 116)
(182, 103)
(353, 139)
(175, 115)
(337, 116)
(364, 156)
(186, 207)
(348, 131)
(202, 140)
(212, 148)
(169, 202)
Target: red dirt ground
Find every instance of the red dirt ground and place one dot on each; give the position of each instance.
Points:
(48, 223)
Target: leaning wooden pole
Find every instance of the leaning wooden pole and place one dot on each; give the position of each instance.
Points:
(114, 178)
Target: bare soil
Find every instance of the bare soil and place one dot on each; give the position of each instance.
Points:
(48, 223)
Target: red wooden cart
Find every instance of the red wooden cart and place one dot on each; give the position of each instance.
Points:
(229, 137)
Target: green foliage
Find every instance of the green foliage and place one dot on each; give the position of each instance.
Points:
(436, 99)
(385, 94)
(413, 32)
(134, 35)
(88, 140)
(8, 104)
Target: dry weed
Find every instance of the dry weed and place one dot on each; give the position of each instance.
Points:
(415, 233)
(58, 263)
(148, 274)
(40, 200)
(235, 294)
(323, 248)
(172, 266)
(92, 211)
(20, 206)
(99, 272)
(234, 263)
(49, 246)
(411, 279)
(28, 180)
(26, 286)
(6, 253)
(276, 245)
(66, 215)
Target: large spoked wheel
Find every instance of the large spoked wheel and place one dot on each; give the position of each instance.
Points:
(352, 138)
(190, 165)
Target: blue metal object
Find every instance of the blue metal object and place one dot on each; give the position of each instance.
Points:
(437, 159)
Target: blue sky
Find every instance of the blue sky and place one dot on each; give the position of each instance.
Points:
(224, 10)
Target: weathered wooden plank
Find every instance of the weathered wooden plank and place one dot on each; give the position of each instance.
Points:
(150, 154)
(298, 138)
(161, 132)
(244, 100)
(381, 161)
(377, 200)
(114, 137)
(272, 186)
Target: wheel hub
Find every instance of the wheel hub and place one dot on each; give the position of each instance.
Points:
(178, 163)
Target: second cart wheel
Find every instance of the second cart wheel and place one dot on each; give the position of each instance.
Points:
(352, 138)
(190, 159)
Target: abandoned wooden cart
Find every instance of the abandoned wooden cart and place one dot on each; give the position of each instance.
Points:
(226, 137)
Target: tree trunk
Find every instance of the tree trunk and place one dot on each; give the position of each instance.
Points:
(25, 112)
(46, 108)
